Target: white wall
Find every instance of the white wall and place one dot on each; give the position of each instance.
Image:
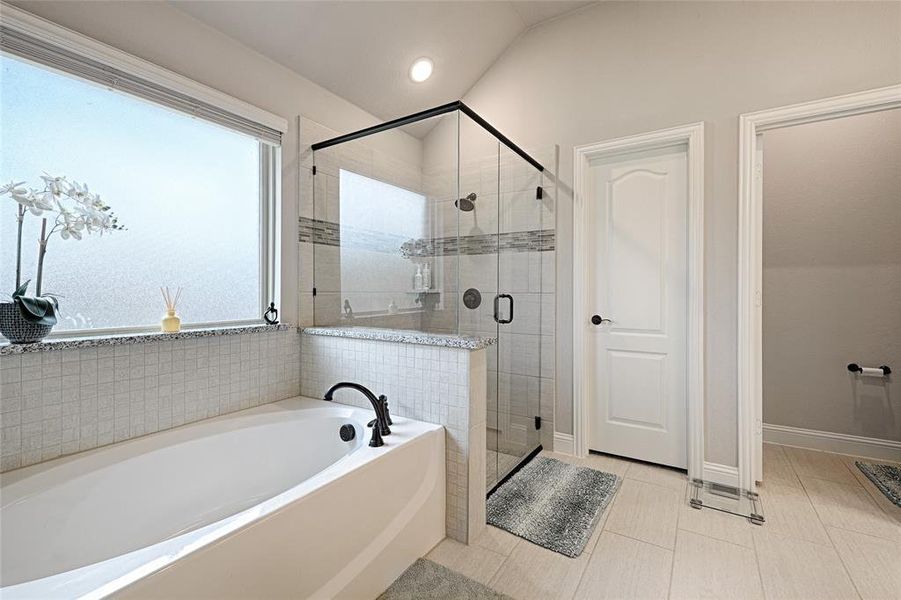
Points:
(618, 69)
(170, 38)
(611, 70)
(832, 274)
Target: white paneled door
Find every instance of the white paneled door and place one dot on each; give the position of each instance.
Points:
(638, 300)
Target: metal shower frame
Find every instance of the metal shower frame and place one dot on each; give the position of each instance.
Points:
(428, 114)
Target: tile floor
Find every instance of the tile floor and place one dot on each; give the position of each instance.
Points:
(829, 534)
(498, 464)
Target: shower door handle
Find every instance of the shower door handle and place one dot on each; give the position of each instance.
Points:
(497, 314)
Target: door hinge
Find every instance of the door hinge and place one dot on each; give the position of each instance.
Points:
(537, 422)
(314, 169)
(314, 291)
(539, 193)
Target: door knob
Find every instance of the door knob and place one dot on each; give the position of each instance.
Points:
(598, 320)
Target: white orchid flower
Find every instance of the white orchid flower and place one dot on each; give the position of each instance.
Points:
(26, 199)
(77, 209)
(13, 188)
(44, 201)
(71, 227)
(55, 185)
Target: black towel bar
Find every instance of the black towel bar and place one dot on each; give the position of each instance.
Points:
(856, 368)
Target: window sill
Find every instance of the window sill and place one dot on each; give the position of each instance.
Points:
(7, 349)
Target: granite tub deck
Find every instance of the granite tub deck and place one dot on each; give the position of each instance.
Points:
(401, 336)
(434, 378)
(76, 343)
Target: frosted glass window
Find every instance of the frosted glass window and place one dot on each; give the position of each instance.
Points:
(187, 191)
(377, 219)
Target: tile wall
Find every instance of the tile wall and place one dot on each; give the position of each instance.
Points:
(519, 260)
(427, 383)
(60, 402)
(507, 244)
(350, 248)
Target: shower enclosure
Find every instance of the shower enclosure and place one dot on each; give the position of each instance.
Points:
(438, 223)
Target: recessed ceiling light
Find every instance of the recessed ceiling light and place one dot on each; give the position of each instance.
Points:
(421, 70)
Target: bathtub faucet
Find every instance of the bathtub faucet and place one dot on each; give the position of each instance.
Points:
(379, 405)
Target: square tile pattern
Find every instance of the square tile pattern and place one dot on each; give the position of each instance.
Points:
(826, 536)
(428, 383)
(65, 401)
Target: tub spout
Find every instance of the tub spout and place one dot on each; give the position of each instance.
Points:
(378, 405)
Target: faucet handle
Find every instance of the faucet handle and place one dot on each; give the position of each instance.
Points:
(376, 440)
(384, 400)
(383, 419)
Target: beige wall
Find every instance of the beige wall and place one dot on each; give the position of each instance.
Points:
(618, 69)
(168, 37)
(832, 274)
(611, 70)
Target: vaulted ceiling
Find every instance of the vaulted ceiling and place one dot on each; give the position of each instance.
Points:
(362, 50)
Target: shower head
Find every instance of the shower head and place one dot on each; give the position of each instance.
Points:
(466, 204)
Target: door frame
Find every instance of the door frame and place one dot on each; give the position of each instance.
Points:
(750, 248)
(692, 136)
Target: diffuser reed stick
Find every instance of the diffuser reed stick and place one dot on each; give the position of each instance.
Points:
(170, 323)
(170, 300)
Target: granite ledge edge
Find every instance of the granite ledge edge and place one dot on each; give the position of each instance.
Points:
(7, 349)
(462, 342)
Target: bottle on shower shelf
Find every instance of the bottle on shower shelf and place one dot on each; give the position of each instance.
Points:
(427, 277)
(417, 278)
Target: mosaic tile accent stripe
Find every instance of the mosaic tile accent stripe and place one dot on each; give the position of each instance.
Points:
(324, 233)
(330, 234)
(327, 233)
(535, 240)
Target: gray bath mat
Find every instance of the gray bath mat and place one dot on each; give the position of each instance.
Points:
(426, 580)
(552, 504)
(886, 477)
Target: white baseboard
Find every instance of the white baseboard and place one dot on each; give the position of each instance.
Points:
(841, 443)
(719, 473)
(564, 443)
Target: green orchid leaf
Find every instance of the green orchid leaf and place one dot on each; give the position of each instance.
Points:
(37, 310)
(20, 291)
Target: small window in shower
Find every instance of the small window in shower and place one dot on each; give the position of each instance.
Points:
(381, 227)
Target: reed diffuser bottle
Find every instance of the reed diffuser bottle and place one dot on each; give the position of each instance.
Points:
(170, 323)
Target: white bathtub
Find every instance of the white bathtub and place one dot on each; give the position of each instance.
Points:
(266, 502)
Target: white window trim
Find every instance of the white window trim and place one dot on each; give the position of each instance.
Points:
(270, 156)
(77, 43)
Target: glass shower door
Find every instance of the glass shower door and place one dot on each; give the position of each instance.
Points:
(518, 313)
(476, 212)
